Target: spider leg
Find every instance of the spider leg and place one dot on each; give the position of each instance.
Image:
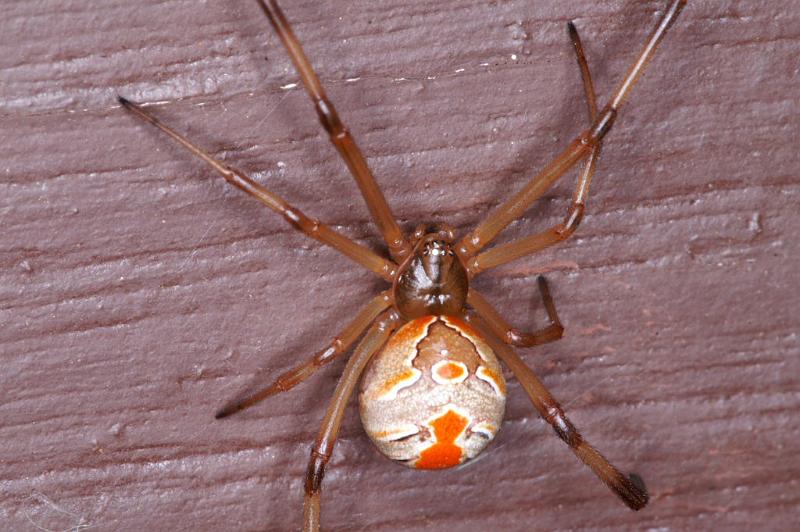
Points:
(582, 188)
(578, 149)
(586, 76)
(338, 133)
(310, 226)
(509, 334)
(516, 249)
(633, 495)
(323, 447)
(338, 346)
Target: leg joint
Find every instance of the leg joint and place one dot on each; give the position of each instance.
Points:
(329, 353)
(300, 221)
(329, 118)
(474, 267)
(514, 337)
(572, 221)
(315, 472)
(557, 330)
(563, 427)
(600, 128)
(551, 333)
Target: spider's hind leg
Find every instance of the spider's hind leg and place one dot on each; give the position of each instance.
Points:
(322, 450)
(629, 488)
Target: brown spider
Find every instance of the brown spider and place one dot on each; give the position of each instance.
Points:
(432, 393)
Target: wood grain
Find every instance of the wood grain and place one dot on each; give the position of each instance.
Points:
(138, 292)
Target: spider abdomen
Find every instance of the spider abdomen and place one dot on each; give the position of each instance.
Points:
(434, 397)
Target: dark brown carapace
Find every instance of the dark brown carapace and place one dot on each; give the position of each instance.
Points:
(432, 280)
(433, 392)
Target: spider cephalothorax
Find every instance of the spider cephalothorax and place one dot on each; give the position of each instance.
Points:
(432, 280)
(432, 394)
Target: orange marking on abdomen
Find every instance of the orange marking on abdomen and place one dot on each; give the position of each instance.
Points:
(413, 331)
(449, 372)
(444, 452)
(397, 382)
(495, 381)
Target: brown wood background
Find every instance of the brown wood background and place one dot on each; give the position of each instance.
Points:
(139, 293)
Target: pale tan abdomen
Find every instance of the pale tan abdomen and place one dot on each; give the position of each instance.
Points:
(434, 397)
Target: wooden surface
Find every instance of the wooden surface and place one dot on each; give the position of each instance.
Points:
(138, 292)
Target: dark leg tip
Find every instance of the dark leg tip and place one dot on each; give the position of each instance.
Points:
(642, 497)
(124, 101)
(638, 481)
(225, 412)
(573, 33)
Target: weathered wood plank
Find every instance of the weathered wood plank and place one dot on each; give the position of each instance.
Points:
(138, 293)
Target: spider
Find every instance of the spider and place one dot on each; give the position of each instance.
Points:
(432, 391)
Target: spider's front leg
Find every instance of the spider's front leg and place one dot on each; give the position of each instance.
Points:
(526, 246)
(339, 135)
(323, 447)
(296, 218)
(585, 145)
